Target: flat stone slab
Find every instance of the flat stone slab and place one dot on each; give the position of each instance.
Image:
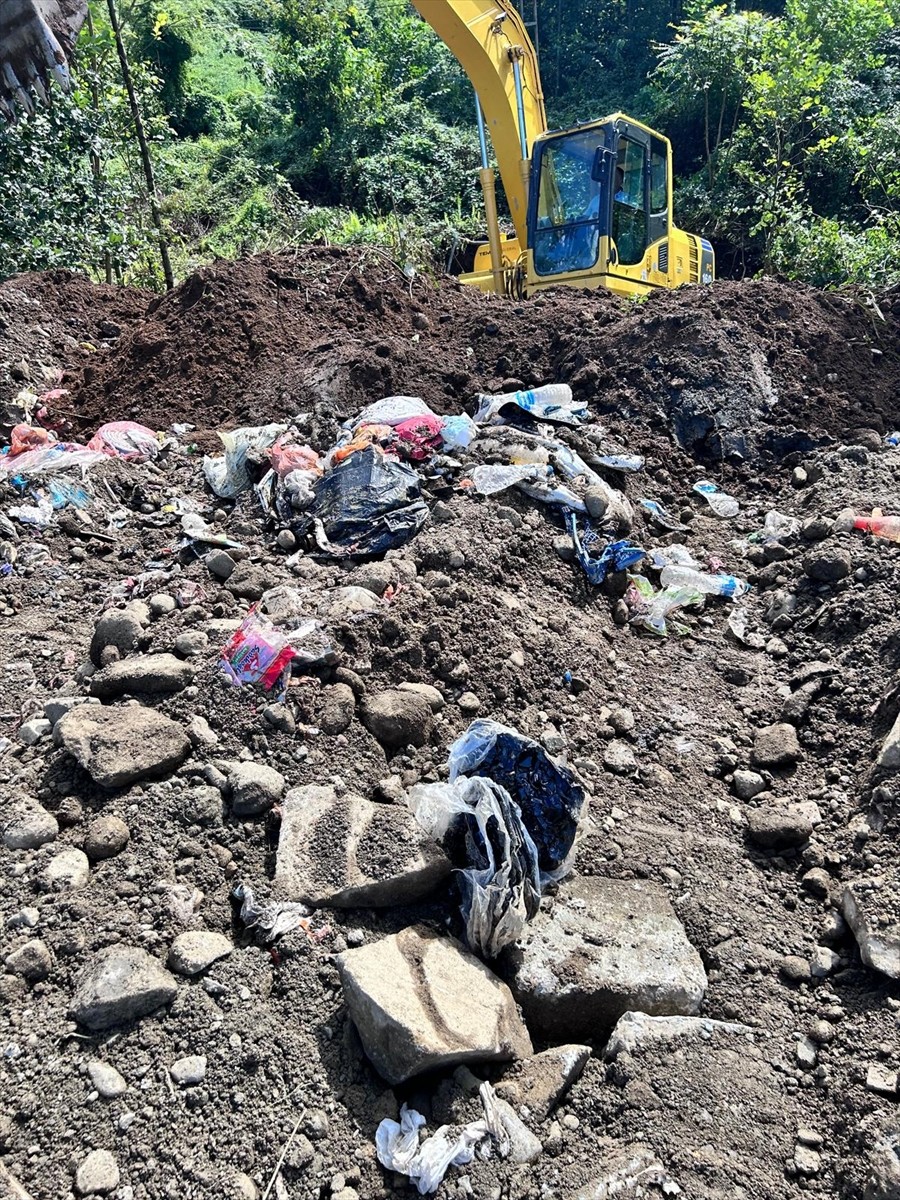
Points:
(121, 984)
(872, 910)
(120, 746)
(605, 947)
(421, 1001)
(152, 674)
(347, 852)
(636, 1030)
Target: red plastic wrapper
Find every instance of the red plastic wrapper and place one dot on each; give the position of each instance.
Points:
(258, 653)
(287, 458)
(29, 437)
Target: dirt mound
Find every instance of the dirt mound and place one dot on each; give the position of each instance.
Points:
(735, 369)
(740, 769)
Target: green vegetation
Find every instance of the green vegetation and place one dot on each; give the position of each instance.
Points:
(344, 121)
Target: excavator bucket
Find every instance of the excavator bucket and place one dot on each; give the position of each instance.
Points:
(36, 42)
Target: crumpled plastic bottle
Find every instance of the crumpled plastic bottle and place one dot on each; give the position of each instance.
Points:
(877, 524)
(700, 581)
(721, 503)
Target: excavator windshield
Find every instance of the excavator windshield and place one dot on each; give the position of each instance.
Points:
(572, 205)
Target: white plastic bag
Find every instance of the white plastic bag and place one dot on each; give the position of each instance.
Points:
(228, 475)
(495, 478)
(501, 888)
(391, 411)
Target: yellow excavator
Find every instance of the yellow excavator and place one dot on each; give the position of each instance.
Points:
(591, 206)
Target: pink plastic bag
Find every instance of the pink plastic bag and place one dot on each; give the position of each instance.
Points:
(258, 653)
(419, 437)
(125, 439)
(287, 458)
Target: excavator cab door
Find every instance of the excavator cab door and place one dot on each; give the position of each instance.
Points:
(641, 207)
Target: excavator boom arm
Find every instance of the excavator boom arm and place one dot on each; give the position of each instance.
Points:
(36, 40)
(490, 42)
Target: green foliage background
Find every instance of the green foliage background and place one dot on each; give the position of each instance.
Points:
(287, 121)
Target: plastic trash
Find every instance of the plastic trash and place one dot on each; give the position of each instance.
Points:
(391, 411)
(457, 432)
(56, 456)
(258, 653)
(286, 458)
(522, 455)
(288, 610)
(494, 478)
(553, 402)
(197, 530)
(621, 462)
(548, 494)
(613, 556)
(699, 581)
(228, 475)
(676, 555)
(776, 528)
(29, 437)
(425, 1163)
(268, 922)
(547, 793)
(650, 609)
(367, 505)
(661, 516)
(62, 493)
(126, 439)
(892, 439)
(721, 503)
(39, 514)
(418, 438)
(480, 827)
(737, 624)
(877, 524)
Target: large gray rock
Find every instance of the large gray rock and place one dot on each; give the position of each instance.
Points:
(870, 909)
(32, 961)
(153, 674)
(98, 1175)
(350, 852)
(338, 707)
(254, 788)
(605, 946)
(398, 719)
(779, 827)
(121, 984)
(421, 1001)
(29, 828)
(120, 746)
(776, 746)
(194, 951)
(120, 627)
(539, 1083)
(68, 870)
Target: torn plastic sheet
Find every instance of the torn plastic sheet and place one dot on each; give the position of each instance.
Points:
(615, 556)
(553, 402)
(480, 827)
(228, 475)
(737, 625)
(496, 477)
(366, 505)
(661, 516)
(126, 439)
(198, 531)
(547, 793)
(61, 456)
(650, 608)
(426, 1163)
(287, 609)
(272, 920)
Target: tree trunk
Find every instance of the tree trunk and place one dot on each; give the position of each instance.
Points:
(142, 144)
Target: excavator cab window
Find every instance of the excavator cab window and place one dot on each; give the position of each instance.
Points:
(630, 207)
(572, 203)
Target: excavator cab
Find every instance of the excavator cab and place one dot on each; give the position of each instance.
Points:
(600, 212)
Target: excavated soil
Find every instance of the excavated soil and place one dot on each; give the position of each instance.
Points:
(782, 395)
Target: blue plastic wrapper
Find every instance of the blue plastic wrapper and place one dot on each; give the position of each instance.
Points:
(615, 556)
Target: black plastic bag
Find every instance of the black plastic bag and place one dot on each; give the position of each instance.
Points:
(366, 505)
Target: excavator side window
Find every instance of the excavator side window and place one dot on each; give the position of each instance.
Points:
(629, 220)
(571, 205)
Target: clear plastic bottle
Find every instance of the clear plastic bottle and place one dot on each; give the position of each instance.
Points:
(877, 524)
(700, 581)
(721, 503)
